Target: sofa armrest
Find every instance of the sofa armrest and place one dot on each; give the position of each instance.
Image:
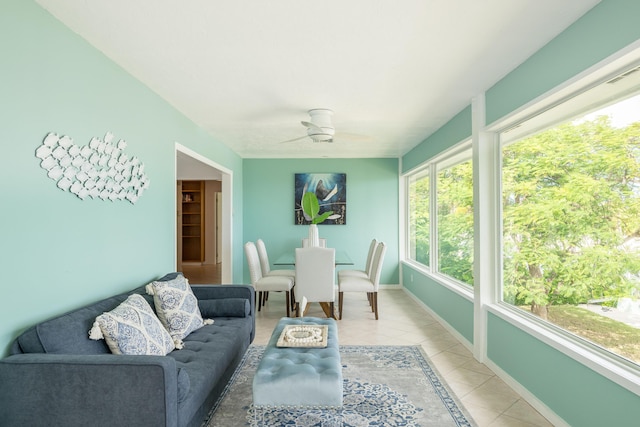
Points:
(82, 390)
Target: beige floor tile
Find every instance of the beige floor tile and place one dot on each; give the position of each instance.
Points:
(474, 365)
(459, 388)
(461, 350)
(466, 376)
(482, 416)
(491, 401)
(438, 344)
(507, 421)
(447, 361)
(496, 386)
(522, 411)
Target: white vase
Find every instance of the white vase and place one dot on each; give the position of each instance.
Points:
(314, 239)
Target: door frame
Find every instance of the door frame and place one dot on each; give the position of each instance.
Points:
(225, 251)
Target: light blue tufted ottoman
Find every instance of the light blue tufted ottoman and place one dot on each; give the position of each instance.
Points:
(300, 377)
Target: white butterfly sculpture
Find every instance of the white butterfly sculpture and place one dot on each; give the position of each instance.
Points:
(98, 170)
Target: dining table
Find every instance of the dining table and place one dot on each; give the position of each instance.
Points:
(341, 258)
(289, 258)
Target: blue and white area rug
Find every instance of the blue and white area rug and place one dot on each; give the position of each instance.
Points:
(383, 386)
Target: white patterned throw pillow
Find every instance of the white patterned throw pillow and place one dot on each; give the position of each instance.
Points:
(132, 328)
(177, 308)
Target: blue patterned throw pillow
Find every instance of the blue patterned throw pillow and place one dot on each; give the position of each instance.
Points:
(132, 328)
(177, 308)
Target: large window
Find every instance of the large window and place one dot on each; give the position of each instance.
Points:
(571, 216)
(449, 178)
(455, 220)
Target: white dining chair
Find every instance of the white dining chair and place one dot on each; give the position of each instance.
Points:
(263, 284)
(364, 284)
(315, 277)
(265, 265)
(305, 242)
(366, 273)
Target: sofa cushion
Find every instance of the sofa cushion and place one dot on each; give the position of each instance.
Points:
(207, 354)
(132, 328)
(177, 307)
(226, 307)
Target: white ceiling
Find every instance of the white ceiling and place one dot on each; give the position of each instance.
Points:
(393, 71)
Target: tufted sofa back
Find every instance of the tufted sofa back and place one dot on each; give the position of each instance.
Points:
(69, 333)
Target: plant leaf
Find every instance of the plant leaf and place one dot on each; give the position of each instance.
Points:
(320, 218)
(310, 204)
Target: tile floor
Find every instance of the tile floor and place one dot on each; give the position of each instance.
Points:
(404, 322)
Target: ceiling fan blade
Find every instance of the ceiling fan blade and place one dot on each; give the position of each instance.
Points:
(311, 125)
(294, 139)
(355, 137)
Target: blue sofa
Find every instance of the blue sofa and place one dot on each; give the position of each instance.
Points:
(56, 376)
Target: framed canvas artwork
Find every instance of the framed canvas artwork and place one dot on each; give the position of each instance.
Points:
(331, 191)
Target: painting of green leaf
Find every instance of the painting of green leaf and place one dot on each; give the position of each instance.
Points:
(320, 198)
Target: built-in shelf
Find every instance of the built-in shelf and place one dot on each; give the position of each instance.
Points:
(192, 221)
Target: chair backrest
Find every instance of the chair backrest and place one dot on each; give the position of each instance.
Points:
(378, 259)
(264, 258)
(253, 261)
(305, 242)
(372, 249)
(315, 274)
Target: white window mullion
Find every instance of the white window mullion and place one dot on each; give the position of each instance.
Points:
(486, 197)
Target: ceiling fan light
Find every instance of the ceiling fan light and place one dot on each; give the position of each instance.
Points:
(321, 137)
(321, 134)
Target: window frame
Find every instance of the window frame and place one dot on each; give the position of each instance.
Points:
(486, 294)
(457, 154)
(616, 368)
(419, 173)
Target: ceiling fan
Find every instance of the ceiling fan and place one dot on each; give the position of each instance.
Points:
(319, 127)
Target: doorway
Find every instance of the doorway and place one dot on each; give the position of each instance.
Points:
(214, 265)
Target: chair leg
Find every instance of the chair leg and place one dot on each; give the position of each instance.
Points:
(372, 299)
(266, 296)
(288, 303)
(340, 296)
(333, 311)
(293, 299)
(297, 309)
(259, 300)
(375, 303)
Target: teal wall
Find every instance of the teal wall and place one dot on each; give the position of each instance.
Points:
(448, 305)
(372, 208)
(605, 29)
(456, 130)
(58, 252)
(579, 395)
